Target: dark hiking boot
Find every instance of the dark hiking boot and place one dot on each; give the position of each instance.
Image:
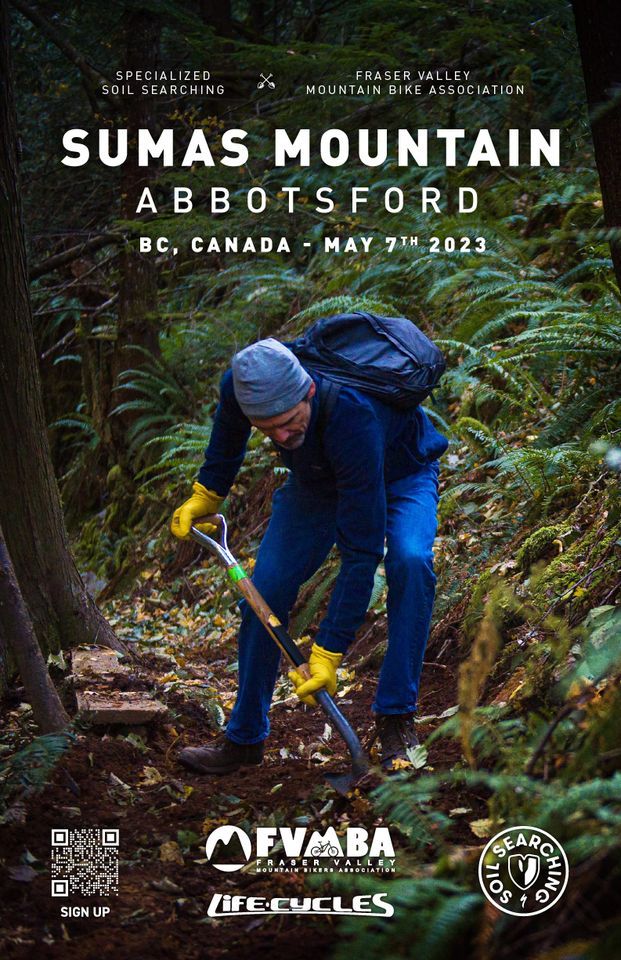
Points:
(221, 756)
(395, 733)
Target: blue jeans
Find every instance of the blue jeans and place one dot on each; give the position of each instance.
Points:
(299, 537)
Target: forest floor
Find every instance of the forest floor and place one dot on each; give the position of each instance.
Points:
(179, 618)
(134, 783)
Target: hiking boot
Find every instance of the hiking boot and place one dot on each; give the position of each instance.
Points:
(221, 756)
(395, 733)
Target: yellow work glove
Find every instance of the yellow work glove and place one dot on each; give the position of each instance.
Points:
(322, 665)
(201, 504)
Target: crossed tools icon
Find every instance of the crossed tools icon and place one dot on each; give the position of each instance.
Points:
(266, 80)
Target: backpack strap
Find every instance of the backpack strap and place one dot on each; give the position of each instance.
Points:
(328, 395)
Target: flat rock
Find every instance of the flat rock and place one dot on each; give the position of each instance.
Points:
(118, 706)
(96, 662)
(94, 670)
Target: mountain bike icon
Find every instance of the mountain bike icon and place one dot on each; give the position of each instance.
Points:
(325, 850)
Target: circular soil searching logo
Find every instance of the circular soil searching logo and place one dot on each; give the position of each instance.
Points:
(523, 871)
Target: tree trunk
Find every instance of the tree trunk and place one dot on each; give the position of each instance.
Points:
(138, 324)
(16, 625)
(104, 359)
(599, 38)
(62, 612)
(217, 14)
(4, 662)
(257, 15)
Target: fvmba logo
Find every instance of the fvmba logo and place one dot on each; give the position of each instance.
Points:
(224, 836)
(277, 849)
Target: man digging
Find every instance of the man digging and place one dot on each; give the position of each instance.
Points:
(363, 474)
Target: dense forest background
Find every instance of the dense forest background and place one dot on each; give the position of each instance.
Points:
(521, 709)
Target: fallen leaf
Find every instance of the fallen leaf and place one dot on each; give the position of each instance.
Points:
(167, 886)
(23, 874)
(484, 828)
(151, 776)
(449, 712)
(118, 783)
(16, 814)
(170, 852)
(417, 756)
(401, 764)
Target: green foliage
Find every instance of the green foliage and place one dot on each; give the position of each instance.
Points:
(433, 916)
(159, 402)
(29, 770)
(531, 327)
(537, 543)
(318, 587)
(178, 454)
(379, 589)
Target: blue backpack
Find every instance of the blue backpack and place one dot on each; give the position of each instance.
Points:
(386, 357)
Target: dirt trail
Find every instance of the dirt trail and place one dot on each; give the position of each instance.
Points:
(170, 921)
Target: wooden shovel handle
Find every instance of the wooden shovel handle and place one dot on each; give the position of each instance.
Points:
(247, 588)
(273, 625)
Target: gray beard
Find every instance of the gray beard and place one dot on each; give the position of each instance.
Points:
(294, 444)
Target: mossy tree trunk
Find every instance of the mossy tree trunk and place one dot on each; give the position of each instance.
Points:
(106, 356)
(16, 625)
(31, 515)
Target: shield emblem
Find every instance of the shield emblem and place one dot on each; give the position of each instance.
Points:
(523, 870)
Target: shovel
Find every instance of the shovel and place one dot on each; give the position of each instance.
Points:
(344, 782)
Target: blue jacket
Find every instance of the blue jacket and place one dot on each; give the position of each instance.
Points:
(365, 445)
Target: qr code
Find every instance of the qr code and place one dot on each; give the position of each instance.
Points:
(85, 862)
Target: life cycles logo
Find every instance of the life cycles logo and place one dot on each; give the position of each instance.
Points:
(375, 905)
(297, 849)
(523, 871)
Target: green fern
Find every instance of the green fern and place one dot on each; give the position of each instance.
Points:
(161, 399)
(180, 452)
(319, 586)
(28, 771)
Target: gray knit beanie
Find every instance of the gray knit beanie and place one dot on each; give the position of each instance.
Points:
(268, 379)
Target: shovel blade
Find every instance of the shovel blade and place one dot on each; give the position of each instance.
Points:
(344, 783)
